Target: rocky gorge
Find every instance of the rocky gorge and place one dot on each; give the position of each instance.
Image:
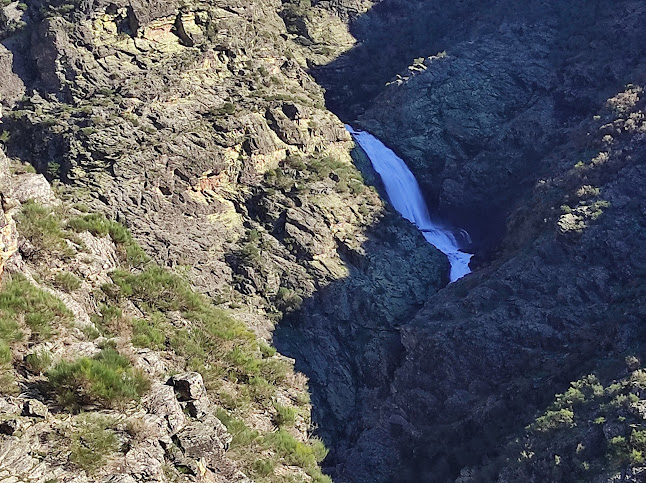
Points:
(207, 207)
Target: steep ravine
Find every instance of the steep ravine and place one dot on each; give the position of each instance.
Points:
(406, 197)
(204, 128)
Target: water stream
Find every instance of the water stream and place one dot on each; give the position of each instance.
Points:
(406, 197)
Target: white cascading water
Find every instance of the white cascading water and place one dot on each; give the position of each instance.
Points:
(406, 196)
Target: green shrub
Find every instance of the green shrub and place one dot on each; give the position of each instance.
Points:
(5, 354)
(261, 391)
(93, 442)
(42, 227)
(38, 362)
(110, 320)
(267, 350)
(107, 379)
(250, 254)
(281, 445)
(274, 370)
(99, 225)
(21, 300)
(158, 288)
(242, 436)
(319, 450)
(67, 281)
(90, 332)
(83, 208)
(96, 224)
(285, 416)
(147, 333)
(7, 381)
(24, 168)
(288, 300)
(295, 452)
(264, 467)
(9, 329)
(562, 418)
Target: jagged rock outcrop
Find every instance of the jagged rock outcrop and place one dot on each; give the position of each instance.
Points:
(217, 152)
(39, 439)
(8, 232)
(547, 310)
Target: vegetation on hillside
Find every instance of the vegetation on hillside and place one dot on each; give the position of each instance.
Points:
(242, 374)
(591, 429)
(27, 315)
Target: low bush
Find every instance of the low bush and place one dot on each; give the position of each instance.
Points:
(285, 416)
(287, 300)
(108, 379)
(294, 452)
(148, 333)
(294, 171)
(159, 289)
(110, 320)
(42, 227)
(99, 225)
(67, 281)
(20, 300)
(551, 420)
(38, 362)
(93, 442)
(7, 383)
(264, 467)
(283, 447)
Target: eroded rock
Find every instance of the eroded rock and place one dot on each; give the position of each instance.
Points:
(189, 386)
(34, 408)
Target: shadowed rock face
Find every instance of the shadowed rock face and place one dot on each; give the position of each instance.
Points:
(493, 128)
(563, 300)
(478, 121)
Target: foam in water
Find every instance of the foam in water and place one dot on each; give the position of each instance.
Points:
(406, 197)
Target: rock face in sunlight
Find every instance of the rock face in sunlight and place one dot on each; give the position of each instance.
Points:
(180, 198)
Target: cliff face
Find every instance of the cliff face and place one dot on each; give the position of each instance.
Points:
(526, 127)
(199, 129)
(202, 128)
(482, 95)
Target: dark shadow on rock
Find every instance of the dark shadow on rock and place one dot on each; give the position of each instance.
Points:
(346, 337)
(412, 384)
(478, 124)
(423, 396)
(474, 366)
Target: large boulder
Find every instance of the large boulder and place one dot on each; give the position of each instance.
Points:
(189, 386)
(31, 186)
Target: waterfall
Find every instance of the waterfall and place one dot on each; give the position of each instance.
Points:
(406, 197)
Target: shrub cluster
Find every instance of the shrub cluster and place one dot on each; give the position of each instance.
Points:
(299, 174)
(99, 225)
(107, 379)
